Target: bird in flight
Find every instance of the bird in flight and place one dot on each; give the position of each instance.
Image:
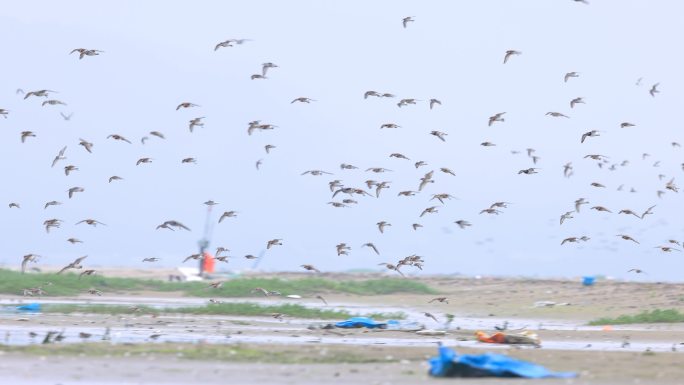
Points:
(654, 90)
(83, 52)
(509, 54)
(406, 20)
(76, 264)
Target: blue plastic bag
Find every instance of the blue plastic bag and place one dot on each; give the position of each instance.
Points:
(450, 364)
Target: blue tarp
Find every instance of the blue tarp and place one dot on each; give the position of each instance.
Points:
(450, 364)
(29, 307)
(361, 322)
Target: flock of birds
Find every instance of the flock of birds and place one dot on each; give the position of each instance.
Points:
(344, 196)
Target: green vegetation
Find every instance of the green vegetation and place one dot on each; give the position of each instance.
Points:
(645, 317)
(243, 309)
(213, 352)
(69, 284)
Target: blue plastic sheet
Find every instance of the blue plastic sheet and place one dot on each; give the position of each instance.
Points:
(450, 364)
(29, 307)
(361, 322)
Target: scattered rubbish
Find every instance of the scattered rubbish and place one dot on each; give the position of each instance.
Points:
(522, 338)
(550, 304)
(406, 326)
(450, 364)
(29, 307)
(588, 280)
(431, 332)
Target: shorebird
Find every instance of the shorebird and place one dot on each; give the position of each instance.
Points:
(86, 272)
(570, 75)
(74, 190)
(434, 102)
(626, 124)
(441, 197)
(39, 93)
(571, 240)
(667, 249)
(27, 134)
(637, 271)
(440, 299)
(496, 118)
(195, 257)
(114, 177)
(390, 125)
(119, 138)
(83, 52)
(91, 222)
(310, 268)
(439, 135)
(567, 215)
(390, 266)
(150, 259)
(316, 172)
(406, 20)
(186, 105)
(629, 212)
(557, 114)
(173, 223)
(68, 169)
(51, 203)
(223, 44)
(627, 238)
(157, 134)
(579, 202)
(382, 225)
(274, 242)
(567, 170)
(86, 144)
(76, 264)
(265, 67)
(528, 171)
(371, 93)
(228, 214)
(654, 90)
(60, 156)
(143, 160)
(26, 259)
(592, 134)
(575, 101)
(302, 100)
(601, 208)
(429, 315)
(420, 163)
(53, 102)
(14, 205)
(462, 223)
(372, 246)
(510, 53)
(196, 122)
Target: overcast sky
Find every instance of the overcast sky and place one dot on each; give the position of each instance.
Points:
(158, 54)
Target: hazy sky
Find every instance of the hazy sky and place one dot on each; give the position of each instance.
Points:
(158, 54)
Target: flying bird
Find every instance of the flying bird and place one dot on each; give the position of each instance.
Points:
(406, 20)
(76, 264)
(509, 54)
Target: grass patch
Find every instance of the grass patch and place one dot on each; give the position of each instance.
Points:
(645, 317)
(242, 309)
(210, 352)
(69, 284)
